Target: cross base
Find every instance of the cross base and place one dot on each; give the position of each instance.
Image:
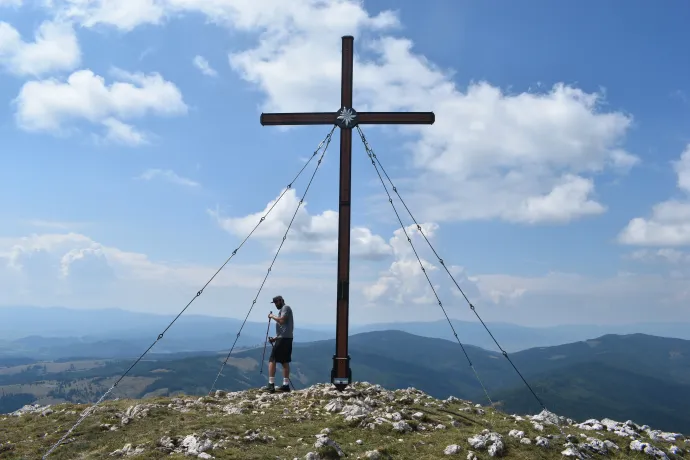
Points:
(339, 382)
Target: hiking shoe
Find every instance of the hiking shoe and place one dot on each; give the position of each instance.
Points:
(271, 388)
(285, 388)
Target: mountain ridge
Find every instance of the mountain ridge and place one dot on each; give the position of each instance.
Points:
(195, 332)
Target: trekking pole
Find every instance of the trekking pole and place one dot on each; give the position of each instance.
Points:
(265, 343)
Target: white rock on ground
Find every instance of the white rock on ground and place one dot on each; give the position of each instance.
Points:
(453, 449)
(542, 442)
(572, 451)
(675, 450)
(648, 449)
(490, 441)
(322, 440)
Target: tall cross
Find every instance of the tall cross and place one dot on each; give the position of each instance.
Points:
(346, 119)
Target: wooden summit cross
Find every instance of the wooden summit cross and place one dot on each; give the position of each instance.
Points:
(346, 119)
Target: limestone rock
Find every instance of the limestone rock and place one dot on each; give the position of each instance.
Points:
(542, 442)
(453, 449)
(648, 449)
(490, 441)
(322, 440)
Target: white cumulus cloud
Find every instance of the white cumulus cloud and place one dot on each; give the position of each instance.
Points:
(52, 268)
(123, 133)
(51, 105)
(404, 282)
(525, 157)
(669, 224)
(123, 14)
(55, 48)
(317, 234)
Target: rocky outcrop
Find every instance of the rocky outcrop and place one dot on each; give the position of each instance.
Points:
(364, 422)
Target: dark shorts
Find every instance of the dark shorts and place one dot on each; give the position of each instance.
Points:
(282, 351)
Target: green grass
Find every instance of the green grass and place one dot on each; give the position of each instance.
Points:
(32, 435)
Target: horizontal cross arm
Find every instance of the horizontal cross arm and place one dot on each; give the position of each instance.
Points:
(314, 118)
(396, 118)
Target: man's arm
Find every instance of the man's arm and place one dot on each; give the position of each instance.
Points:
(287, 314)
(279, 319)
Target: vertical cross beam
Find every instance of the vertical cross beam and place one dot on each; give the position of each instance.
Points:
(346, 118)
(341, 374)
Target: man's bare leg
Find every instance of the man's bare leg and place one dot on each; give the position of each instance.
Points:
(271, 377)
(286, 376)
(271, 371)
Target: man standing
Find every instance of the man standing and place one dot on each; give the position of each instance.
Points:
(282, 345)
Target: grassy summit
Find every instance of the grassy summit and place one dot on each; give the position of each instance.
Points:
(365, 421)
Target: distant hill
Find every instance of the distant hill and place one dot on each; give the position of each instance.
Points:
(657, 357)
(60, 348)
(54, 333)
(636, 377)
(633, 376)
(122, 333)
(113, 323)
(596, 390)
(513, 337)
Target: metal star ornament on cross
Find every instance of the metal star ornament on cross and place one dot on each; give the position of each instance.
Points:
(346, 117)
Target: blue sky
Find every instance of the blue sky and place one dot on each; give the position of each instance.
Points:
(530, 187)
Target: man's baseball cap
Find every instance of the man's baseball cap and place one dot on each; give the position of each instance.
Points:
(276, 298)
